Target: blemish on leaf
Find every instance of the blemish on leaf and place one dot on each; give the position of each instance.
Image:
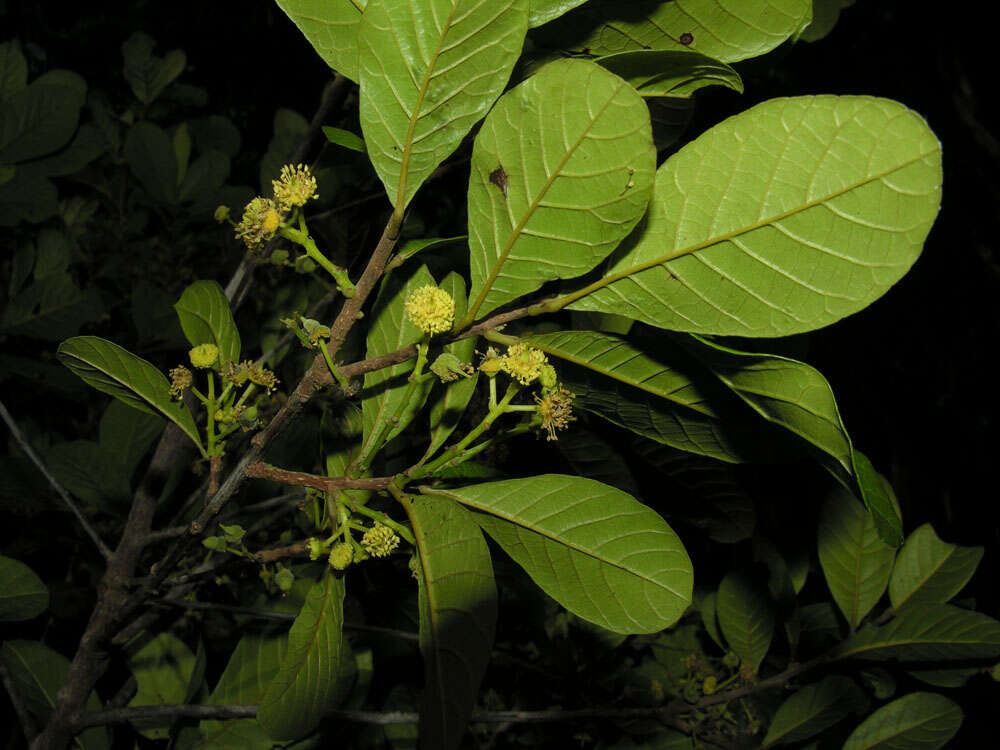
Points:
(686, 38)
(499, 178)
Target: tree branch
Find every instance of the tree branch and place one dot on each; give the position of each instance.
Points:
(261, 470)
(53, 482)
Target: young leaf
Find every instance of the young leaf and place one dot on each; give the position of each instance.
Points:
(929, 571)
(813, 709)
(562, 171)
(344, 138)
(723, 31)
(918, 721)
(458, 610)
(317, 671)
(23, 595)
(254, 663)
(936, 632)
(878, 497)
(110, 369)
(745, 617)
(206, 318)
(670, 72)
(782, 219)
(429, 71)
(855, 561)
(331, 26)
(37, 673)
(599, 552)
(162, 669)
(146, 73)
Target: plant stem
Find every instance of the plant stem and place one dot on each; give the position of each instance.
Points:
(302, 237)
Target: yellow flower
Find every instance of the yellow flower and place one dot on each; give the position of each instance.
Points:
(204, 356)
(180, 380)
(431, 309)
(295, 186)
(260, 221)
(341, 556)
(555, 408)
(380, 541)
(523, 363)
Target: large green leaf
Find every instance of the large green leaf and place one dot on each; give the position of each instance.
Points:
(37, 673)
(670, 72)
(150, 155)
(147, 74)
(384, 395)
(27, 198)
(726, 31)
(110, 369)
(38, 120)
(331, 26)
(126, 434)
(429, 71)
(812, 709)
(162, 669)
(318, 670)
(929, 571)
(458, 612)
(562, 170)
(743, 609)
(652, 393)
(599, 552)
(782, 219)
(918, 721)
(449, 405)
(855, 561)
(13, 70)
(254, 663)
(543, 11)
(51, 308)
(24, 595)
(935, 632)
(205, 317)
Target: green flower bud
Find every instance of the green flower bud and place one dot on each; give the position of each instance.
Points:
(709, 686)
(204, 356)
(284, 579)
(380, 541)
(316, 548)
(341, 556)
(279, 257)
(304, 264)
(547, 377)
(448, 368)
(221, 213)
(731, 660)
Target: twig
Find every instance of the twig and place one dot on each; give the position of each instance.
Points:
(27, 724)
(261, 470)
(60, 490)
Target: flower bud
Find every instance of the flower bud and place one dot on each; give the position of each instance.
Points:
(221, 213)
(341, 556)
(204, 356)
(380, 541)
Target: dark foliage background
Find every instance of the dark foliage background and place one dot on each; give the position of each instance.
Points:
(912, 373)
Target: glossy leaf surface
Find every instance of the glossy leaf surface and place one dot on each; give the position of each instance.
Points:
(929, 571)
(206, 318)
(331, 26)
(918, 721)
(429, 71)
(782, 219)
(670, 72)
(562, 170)
(596, 550)
(745, 617)
(813, 709)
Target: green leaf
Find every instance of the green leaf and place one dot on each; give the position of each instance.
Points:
(825, 14)
(254, 663)
(127, 434)
(345, 138)
(653, 394)
(146, 73)
(813, 709)
(878, 497)
(782, 219)
(216, 133)
(935, 632)
(855, 561)
(150, 156)
(384, 394)
(32, 199)
(599, 552)
(50, 309)
(38, 120)
(745, 616)
(37, 673)
(429, 71)
(593, 457)
(670, 72)
(205, 177)
(543, 11)
(53, 253)
(24, 595)
(162, 669)
(331, 26)
(918, 721)
(708, 608)
(205, 317)
(318, 669)
(13, 70)
(458, 612)
(412, 247)
(90, 471)
(87, 145)
(929, 571)
(448, 407)
(110, 369)
(182, 150)
(723, 31)
(562, 170)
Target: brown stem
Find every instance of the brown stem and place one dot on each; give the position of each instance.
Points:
(261, 470)
(299, 549)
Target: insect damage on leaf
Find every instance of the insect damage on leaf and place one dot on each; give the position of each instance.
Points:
(686, 38)
(499, 178)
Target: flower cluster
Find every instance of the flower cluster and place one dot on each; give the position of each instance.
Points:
(294, 188)
(380, 541)
(259, 223)
(431, 309)
(180, 380)
(204, 356)
(523, 363)
(342, 555)
(254, 372)
(555, 409)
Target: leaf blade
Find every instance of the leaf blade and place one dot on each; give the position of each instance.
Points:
(918, 721)
(24, 595)
(930, 571)
(206, 318)
(813, 709)
(745, 617)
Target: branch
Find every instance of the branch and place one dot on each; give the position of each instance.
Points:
(60, 490)
(261, 470)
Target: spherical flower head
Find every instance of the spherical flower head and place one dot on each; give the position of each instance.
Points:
(547, 377)
(710, 685)
(491, 363)
(431, 309)
(295, 186)
(260, 221)
(523, 363)
(380, 541)
(180, 380)
(260, 375)
(341, 556)
(204, 356)
(316, 548)
(555, 410)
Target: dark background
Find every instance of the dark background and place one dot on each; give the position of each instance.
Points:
(911, 373)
